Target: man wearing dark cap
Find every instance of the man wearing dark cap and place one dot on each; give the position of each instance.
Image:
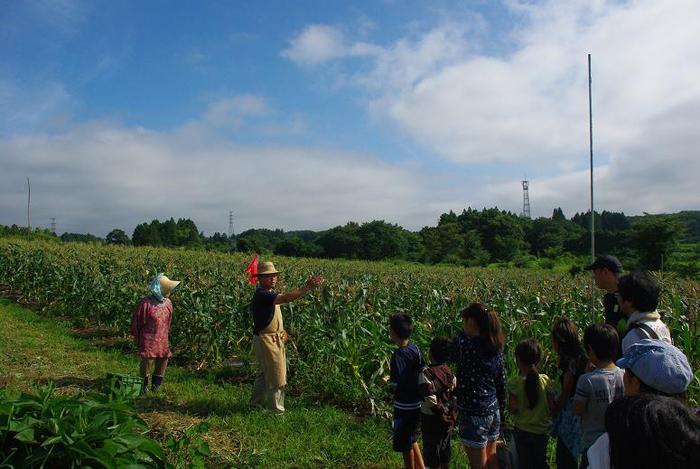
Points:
(606, 271)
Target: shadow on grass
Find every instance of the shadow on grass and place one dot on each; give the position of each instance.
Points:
(103, 339)
(84, 384)
(199, 407)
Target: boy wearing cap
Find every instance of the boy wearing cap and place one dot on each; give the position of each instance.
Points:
(269, 336)
(150, 326)
(606, 270)
(639, 298)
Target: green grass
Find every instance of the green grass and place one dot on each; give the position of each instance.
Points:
(35, 350)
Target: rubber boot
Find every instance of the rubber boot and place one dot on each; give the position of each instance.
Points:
(156, 381)
(144, 386)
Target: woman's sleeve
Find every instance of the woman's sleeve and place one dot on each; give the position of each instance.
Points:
(500, 382)
(136, 319)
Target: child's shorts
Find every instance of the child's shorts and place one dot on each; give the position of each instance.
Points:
(405, 429)
(478, 431)
(437, 448)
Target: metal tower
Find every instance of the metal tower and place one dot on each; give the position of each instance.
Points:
(526, 199)
(230, 224)
(53, 225)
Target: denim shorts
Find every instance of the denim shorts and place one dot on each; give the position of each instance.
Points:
(406, 423)
(477, 431)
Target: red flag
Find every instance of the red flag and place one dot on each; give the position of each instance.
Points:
(252, 269)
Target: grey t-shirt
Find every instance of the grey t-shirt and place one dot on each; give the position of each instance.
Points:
(598, 388)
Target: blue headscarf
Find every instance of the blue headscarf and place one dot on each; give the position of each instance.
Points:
(155, 288)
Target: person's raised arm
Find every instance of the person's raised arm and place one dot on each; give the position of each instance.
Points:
(311, 283)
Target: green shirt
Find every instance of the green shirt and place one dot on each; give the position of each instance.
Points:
(535, 420)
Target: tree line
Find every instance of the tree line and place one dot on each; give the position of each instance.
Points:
(470, 238)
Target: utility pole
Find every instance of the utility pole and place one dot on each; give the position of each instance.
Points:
(231, 236)
(590, 141)
(29, 201)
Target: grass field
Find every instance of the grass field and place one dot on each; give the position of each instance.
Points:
(339, 353)
(35, 350)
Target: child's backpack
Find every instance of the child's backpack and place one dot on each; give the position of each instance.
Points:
(443, 385)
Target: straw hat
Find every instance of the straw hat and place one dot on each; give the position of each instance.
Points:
(267, 268)
(167, 285)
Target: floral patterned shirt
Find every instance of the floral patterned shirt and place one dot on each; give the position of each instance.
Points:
(150, 325)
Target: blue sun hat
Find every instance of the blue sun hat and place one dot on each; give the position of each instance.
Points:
(659, 365)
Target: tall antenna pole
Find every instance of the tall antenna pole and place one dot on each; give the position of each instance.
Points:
(53, 225)
(29, 201)
(526, 199)
(590, 141)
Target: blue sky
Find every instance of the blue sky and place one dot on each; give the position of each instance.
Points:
(311, 114)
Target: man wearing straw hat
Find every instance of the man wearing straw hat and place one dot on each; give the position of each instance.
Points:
(269, 336)
(150, 326)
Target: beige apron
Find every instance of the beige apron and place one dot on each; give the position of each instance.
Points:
(269, 350)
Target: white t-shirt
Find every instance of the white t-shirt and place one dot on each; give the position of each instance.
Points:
(599, 453)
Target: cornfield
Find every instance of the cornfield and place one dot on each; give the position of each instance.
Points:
(340, 349)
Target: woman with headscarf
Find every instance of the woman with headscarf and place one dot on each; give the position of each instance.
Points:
(150, 326)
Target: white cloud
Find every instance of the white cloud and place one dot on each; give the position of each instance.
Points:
(319, 43)
(44, 104)
(532, 104)
(525, 109)
(99, 176)
(233, 110)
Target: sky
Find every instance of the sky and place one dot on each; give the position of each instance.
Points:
(310, 114)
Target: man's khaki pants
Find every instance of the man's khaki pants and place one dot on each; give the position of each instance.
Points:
(264, 395)
(267, 397)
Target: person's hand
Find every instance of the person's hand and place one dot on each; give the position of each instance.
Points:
(285, 336)
(314, 282)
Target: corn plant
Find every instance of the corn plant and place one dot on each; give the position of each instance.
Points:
(339, 350)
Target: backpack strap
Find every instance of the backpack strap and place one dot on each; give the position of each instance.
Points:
(651, 333)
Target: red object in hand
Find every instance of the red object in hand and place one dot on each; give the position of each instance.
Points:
(252, 269)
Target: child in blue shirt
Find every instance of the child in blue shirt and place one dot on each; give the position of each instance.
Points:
(406, 366)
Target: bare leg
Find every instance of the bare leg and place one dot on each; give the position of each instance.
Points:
(477, 457)
(417, 457)
(491, 456)
(144, 367)
(161, 365)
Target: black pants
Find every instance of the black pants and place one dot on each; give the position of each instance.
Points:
(437, 441)
(532, 449)
(565, 460)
